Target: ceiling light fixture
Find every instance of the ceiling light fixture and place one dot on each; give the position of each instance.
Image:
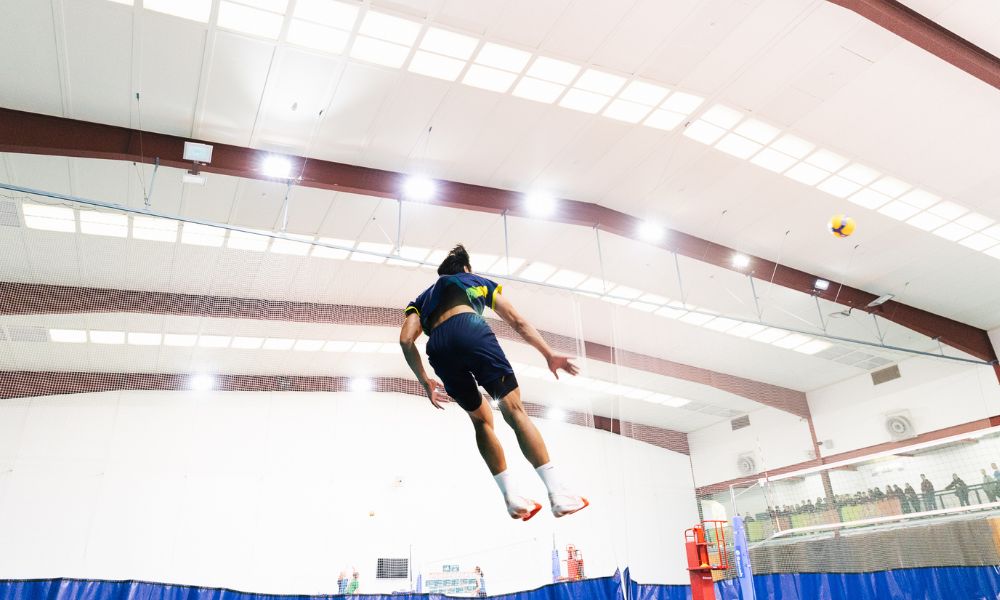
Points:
(419, 188)
(201, 383)
(361, 384)
(540, 204)
(555, 414)
(741, 261)
(822, 284)
(277, 167)
(651, 232)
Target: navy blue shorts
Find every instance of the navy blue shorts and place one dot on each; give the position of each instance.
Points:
(465, 354)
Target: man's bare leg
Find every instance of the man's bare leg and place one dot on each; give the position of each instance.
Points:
(518, 507)
(533, 447)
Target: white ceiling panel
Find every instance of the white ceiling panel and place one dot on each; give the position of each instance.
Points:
(473, 16)
(538, 147)
(238, 72)
(172, 54)
(455, 124)
(107, 180)
(402, 125)
(355, 106)
(299, 89)
(29, 71)
(583, 27)
(528, 22)
(620, 159)
(978, 21)
(579, 158)
(212, 201)
(99, 61)
(258, 204)
(307, 208)
(638, 34)
(49, 173)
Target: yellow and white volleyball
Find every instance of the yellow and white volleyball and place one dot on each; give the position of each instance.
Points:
(841, 225)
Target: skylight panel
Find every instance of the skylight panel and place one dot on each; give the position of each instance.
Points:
(435, 65)
(371, 247)
(624, 110)
(772, 160)
(975, 221)
(379, 52)
(242, 240)
(278, 344)
(154, 229)
(502, 57)
(838, 186)
(488, 78)
(899, 210)
(948, 210)
(890, 186)
(826, 160)
(247, 343)
(505, 266)
(107, 337)
(297, 245)
(538, 90)
(105, 224)
(309, 345)
(317, 37)
(214, 341)
(599, 82)
(49, 218)
(791, 341)
(180, 340)
(682, 102)
(254, 21)
(921, 199)
(979, 242)
(68, 336)
(738, 146)
(859, 173)
(704, 132)
(582, 101)
(793, 146)
(538, 272)
(644, 93)
(566, 278)
(869, 198)
(807, 174)
(448, 43)
(664, 119)
(670, 312)
(552, 70)
(813, 347)
(953, 232)
(695, 318)
(927, 221)
(769, 335)
(329, 13)
(758, 131)
(722, 116)
(202, 235)
(745, 330)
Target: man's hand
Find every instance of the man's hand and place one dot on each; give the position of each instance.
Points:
(560, 361)
(435, 391)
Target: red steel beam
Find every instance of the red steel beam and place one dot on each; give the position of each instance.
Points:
(925, 33)
(32, 133)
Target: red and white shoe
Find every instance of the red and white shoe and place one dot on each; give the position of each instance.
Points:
(567, 504)
(519, 507)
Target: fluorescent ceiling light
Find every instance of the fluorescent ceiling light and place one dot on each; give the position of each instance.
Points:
(582, 101)
(145, 339)
(278, 344)
(670, 312)
(338, 346)
(555, 414)
(658, 398)
(214, 341)
(921, 199)
(741, 261)
(948, 210)
(664, 119)
(201, 383)
(180, 340)
(721, 324)
(869, 198)
(366, 347)
(826, 160)
(309, 345)
(157, 230)
(419, 188)
(722, 116)
(540, 204)
(336, 253)
(107, 337)
(488, 78)
(538, 90)
(650, 232)
(821, 284)
(979, 242)
(838, 186)
(379, 52)
(791, 341)
(738, 146)
(975, 221)
(68, 336)
(758, 131)
(644, 93)
(813, 347)
(389, 28)
(192, 179)
(994, 252)
(682, 102)
(538, 272)
(247, 343)
(449, 43)
(502, 57)
(435, 65)
(772, 160)
(507, 266)
(806, 174)
(675, 402)
(317, 37)
(195, 10)
(292, 246)
(622, 291)
(327, 12)
(859, 173)
(899, 210)
(793, 146)
(599, 82)
(49, 218)
(953, 232)
(375, 247)
(769, 335)
(552, 70)
(644, 306)
(202, 235)
(249, 20)
(926, 221)
(745, 330)
(242, 240)
(890, 186)
(106, 224)
(594, 285)
(566, 278)
(276, 167)
(695, 318)
(623, 110)
(703, 131)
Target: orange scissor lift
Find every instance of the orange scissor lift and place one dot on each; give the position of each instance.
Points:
(700, 555)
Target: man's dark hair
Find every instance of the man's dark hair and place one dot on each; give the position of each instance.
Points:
(456, 261)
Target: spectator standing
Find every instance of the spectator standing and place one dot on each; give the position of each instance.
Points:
(480, 583)
(911, 497)
(352, 587)
(927, 489)
(342, 581)
(961, 489)
(989, 486)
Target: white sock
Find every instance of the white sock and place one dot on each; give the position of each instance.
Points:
(550, 477)
(503, 482)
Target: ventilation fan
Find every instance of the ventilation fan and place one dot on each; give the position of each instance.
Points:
(900, 426)
(746, 464)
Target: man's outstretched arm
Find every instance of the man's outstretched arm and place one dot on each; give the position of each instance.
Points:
(407, 341)
(527, 331)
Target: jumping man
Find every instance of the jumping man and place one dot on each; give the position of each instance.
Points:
(464, 352)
